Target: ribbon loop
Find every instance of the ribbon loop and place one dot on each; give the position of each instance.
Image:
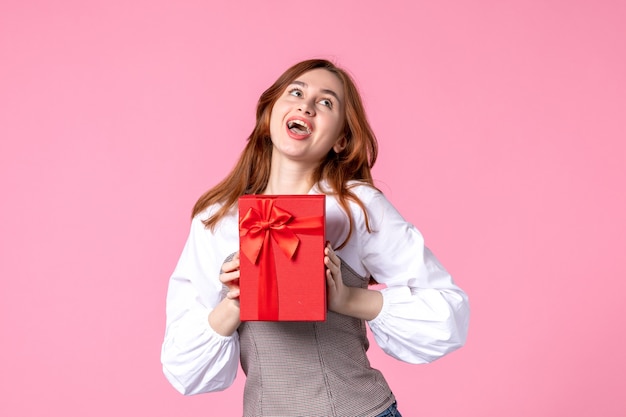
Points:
(254, 227)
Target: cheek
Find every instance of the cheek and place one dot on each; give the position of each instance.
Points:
(338, 124)
(275, 123)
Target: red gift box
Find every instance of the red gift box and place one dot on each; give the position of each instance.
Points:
(281, 242)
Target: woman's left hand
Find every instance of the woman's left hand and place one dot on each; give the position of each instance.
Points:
(356, 302)
(338, 293)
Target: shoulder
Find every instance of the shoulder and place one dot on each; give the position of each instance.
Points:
(382, 214)
(372, 199)
(212, 210)
(222, 229)
(364, 191)
(366, 199)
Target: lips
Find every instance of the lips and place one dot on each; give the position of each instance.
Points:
(299, 128)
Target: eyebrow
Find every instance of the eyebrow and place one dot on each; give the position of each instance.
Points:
(324, 90)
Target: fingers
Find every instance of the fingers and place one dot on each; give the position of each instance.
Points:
(333, 266)
(233, 294)
(331, 260)
(229, 276)
(231, 265)
(231, 281)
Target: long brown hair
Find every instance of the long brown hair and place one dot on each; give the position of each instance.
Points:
(251, 173)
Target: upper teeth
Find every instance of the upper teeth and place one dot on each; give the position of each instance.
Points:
(300, 123)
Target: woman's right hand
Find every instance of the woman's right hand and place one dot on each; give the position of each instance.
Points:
(224, 318)
(229, 276)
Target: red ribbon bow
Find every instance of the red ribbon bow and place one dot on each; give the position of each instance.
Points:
(255, 229)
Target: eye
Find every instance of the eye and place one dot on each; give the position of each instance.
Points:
(296, 92)
(326, 102)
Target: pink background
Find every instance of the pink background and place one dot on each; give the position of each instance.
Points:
(502, 135)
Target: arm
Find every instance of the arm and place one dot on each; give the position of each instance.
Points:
(424, 315)
(195, 357)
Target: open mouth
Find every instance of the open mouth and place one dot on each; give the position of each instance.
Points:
(299, 127)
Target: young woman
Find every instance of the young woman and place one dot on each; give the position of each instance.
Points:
(311, 136)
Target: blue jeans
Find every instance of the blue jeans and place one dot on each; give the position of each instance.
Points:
(392, 411)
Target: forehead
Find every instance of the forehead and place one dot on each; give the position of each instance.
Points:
(322, 80)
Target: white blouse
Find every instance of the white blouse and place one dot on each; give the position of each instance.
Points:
(424, 314)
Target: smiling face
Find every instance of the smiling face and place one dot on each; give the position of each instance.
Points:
(307, 120)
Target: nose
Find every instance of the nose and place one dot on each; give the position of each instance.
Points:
(307, 108)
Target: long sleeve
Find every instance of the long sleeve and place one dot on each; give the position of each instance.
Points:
(424, 315)
(195, 358)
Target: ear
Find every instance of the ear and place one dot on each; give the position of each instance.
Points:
(340, 145)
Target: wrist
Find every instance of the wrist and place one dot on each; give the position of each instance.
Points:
(363, 303)
(224, 318)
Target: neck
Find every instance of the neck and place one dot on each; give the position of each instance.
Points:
(286, 178)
